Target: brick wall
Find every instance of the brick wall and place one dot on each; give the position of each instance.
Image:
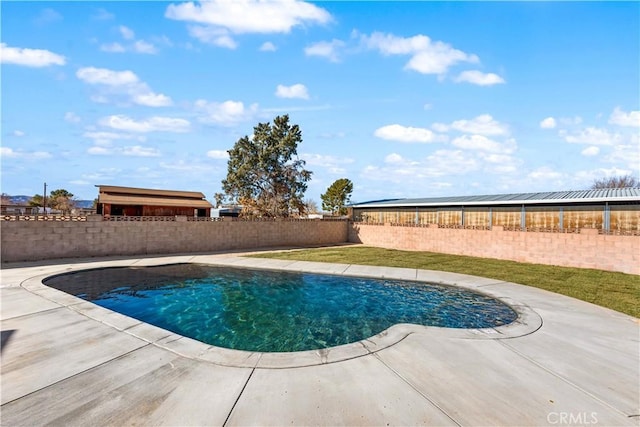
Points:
(586, 249)
(37, 240)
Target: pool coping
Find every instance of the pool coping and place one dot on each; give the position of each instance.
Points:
(528, 320)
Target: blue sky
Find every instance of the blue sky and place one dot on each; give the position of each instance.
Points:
(406, 99)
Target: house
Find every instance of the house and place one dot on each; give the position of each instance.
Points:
(129, 201)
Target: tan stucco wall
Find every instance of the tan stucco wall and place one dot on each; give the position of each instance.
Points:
(586, 249)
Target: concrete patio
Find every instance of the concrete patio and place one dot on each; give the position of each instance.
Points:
(68, 362)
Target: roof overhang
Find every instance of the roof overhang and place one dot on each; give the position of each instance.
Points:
(132, 191)
(115, 199)
(585, 197)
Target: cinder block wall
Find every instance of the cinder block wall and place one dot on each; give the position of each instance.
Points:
(37, 240)
(588, 249)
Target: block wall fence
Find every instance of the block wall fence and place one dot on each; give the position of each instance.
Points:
(586, 249)
(39, 240)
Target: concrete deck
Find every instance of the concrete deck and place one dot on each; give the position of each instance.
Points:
(69, 362)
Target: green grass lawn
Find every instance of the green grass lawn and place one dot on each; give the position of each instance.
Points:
(617, 291)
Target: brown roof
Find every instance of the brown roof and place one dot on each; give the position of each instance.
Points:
(151, 197)
(132, 191)
(118, 199)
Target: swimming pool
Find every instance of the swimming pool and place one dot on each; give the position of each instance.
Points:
(277, 311)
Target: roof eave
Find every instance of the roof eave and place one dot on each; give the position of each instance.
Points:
(581, 201)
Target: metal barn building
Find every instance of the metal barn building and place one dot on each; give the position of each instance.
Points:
(614, 210)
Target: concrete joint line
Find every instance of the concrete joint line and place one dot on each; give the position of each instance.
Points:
(492, 284)
(31, 314)
(226, 420)
(427, 398)
(74, 375)
(345, 269)
(563, 379)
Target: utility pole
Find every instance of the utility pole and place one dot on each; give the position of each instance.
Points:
(44, 200)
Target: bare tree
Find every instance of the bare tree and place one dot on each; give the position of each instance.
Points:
(625, 181)
(310, 206)
(5, 199)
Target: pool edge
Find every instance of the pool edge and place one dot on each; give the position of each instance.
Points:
(527, 322)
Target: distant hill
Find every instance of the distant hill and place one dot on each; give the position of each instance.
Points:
(20, 200)
(24, 200)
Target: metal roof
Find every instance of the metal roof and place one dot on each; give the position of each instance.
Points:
(132, 191)
(553, 197)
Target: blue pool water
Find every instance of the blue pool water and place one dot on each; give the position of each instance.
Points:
(276, 311)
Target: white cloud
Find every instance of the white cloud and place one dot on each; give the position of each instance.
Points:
(127, 33)
(440, 127)
(482, 125)
(27, 155)
(99, 151)
(548, 123)
(479, 78)
(329, 50)
(132, 45)
(152, 99)
(294, 91)
(218, 154)
(441, 163)
(268, 47)
(477, 142)
(188, 167)
(621, 118)
(130, 151)
(592, 136)
(152, 124)
(250, 16)
(590, 151)
(107, 77)
(139, 151)
(332, 164)
(428, 57)
(628, 155)
(388, 44)
(7, 152)
(18, 133)
(324, 160)
(141, 46)
(544, 173)
(451, 162)
(121, 83)
(106, 138)
(29, 57)
(500, 163)
(570, 121)
(394, 158)
(407, 134)
(227, 113)
(112, 47)
(212, 35)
